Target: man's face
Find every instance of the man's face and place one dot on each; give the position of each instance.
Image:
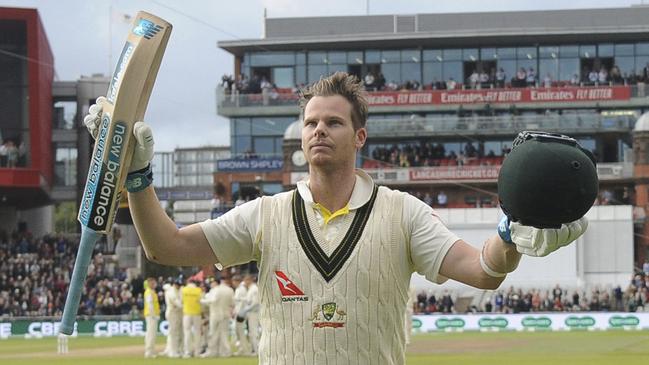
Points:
(328, 136)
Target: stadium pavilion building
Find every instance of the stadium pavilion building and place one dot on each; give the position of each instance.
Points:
(447, 94)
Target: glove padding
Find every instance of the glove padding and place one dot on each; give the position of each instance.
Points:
(540, 242)
(143, 153)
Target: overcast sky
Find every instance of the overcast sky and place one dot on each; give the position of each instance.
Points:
(182, 109)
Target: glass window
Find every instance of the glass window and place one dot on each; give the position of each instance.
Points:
(390, 56)
(272, 188)
(548, 67)
(432, 72)
(509, 66)
(355, 58)
(272, 58)
(316, 71)
(373, 56)
(337, 67)
(470, 54)
(264, 145)
(300, 58)
(300, 75)
(452, 54)
(626, 64)
(587, 51)
(506, 53)
(488, 54)
(528, 53)
(283, 77)
(624, 49)
(567, 68)
(548, 52)
(453, 69)
(568, 51)
(432, 55)
(605, 50)
(65, 166)
(391, 72)
(411, 71)
(640, 63)
(242, 144)
(64, 113)
(410, 55)
(241, 126)
(317, 58)
(337, 57)
(642, 49)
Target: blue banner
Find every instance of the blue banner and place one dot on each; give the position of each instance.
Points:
(250, 164)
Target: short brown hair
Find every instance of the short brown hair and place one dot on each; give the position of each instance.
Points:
(345, 85)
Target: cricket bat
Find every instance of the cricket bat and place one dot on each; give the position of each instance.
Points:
(127, 98)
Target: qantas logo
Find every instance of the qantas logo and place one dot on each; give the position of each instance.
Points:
(290, 291)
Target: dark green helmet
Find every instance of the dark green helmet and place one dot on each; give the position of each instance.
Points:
(547, 179)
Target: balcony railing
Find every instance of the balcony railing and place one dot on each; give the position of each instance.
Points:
(456, 97)
(566, 123)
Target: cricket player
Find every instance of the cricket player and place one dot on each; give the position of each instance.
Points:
(191, 296)
(336, 254)
(220, 300)
(151, 316)
(240, 297)
(251, 312)
(410, 310)
(174, 315)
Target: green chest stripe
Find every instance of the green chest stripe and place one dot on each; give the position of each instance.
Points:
(328, 266)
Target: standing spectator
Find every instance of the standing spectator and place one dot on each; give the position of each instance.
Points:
(520, 78)
(531, 77)
(501, 76)
(191, 296)
(428, 199)
(451, 84)
(151, 315)
(645, 268)
(12, 154)
(574, 80)
(547, 81)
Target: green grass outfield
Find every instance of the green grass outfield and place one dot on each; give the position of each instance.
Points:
(518, 348)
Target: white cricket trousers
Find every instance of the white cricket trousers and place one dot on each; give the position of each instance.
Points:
(244, 344)
(253, 330)
(218, 343)
(149, 336)
(175, 321)
(191, 334)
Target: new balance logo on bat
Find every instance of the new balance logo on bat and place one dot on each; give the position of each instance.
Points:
(146, 29)
(290, 291)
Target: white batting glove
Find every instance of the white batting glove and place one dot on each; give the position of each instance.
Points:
(539, 242)
(143, 153)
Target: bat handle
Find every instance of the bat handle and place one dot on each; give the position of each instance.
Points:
(87, 244)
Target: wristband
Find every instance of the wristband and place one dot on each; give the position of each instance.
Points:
(487, 269)
(139, 180)
(503, 230)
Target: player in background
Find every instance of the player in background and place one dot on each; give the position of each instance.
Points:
(410, 309)
(220, 300)
(250, 311)
(240, 295)
(151, 316)
(174, 316)
(191, 296)
(347, 245)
